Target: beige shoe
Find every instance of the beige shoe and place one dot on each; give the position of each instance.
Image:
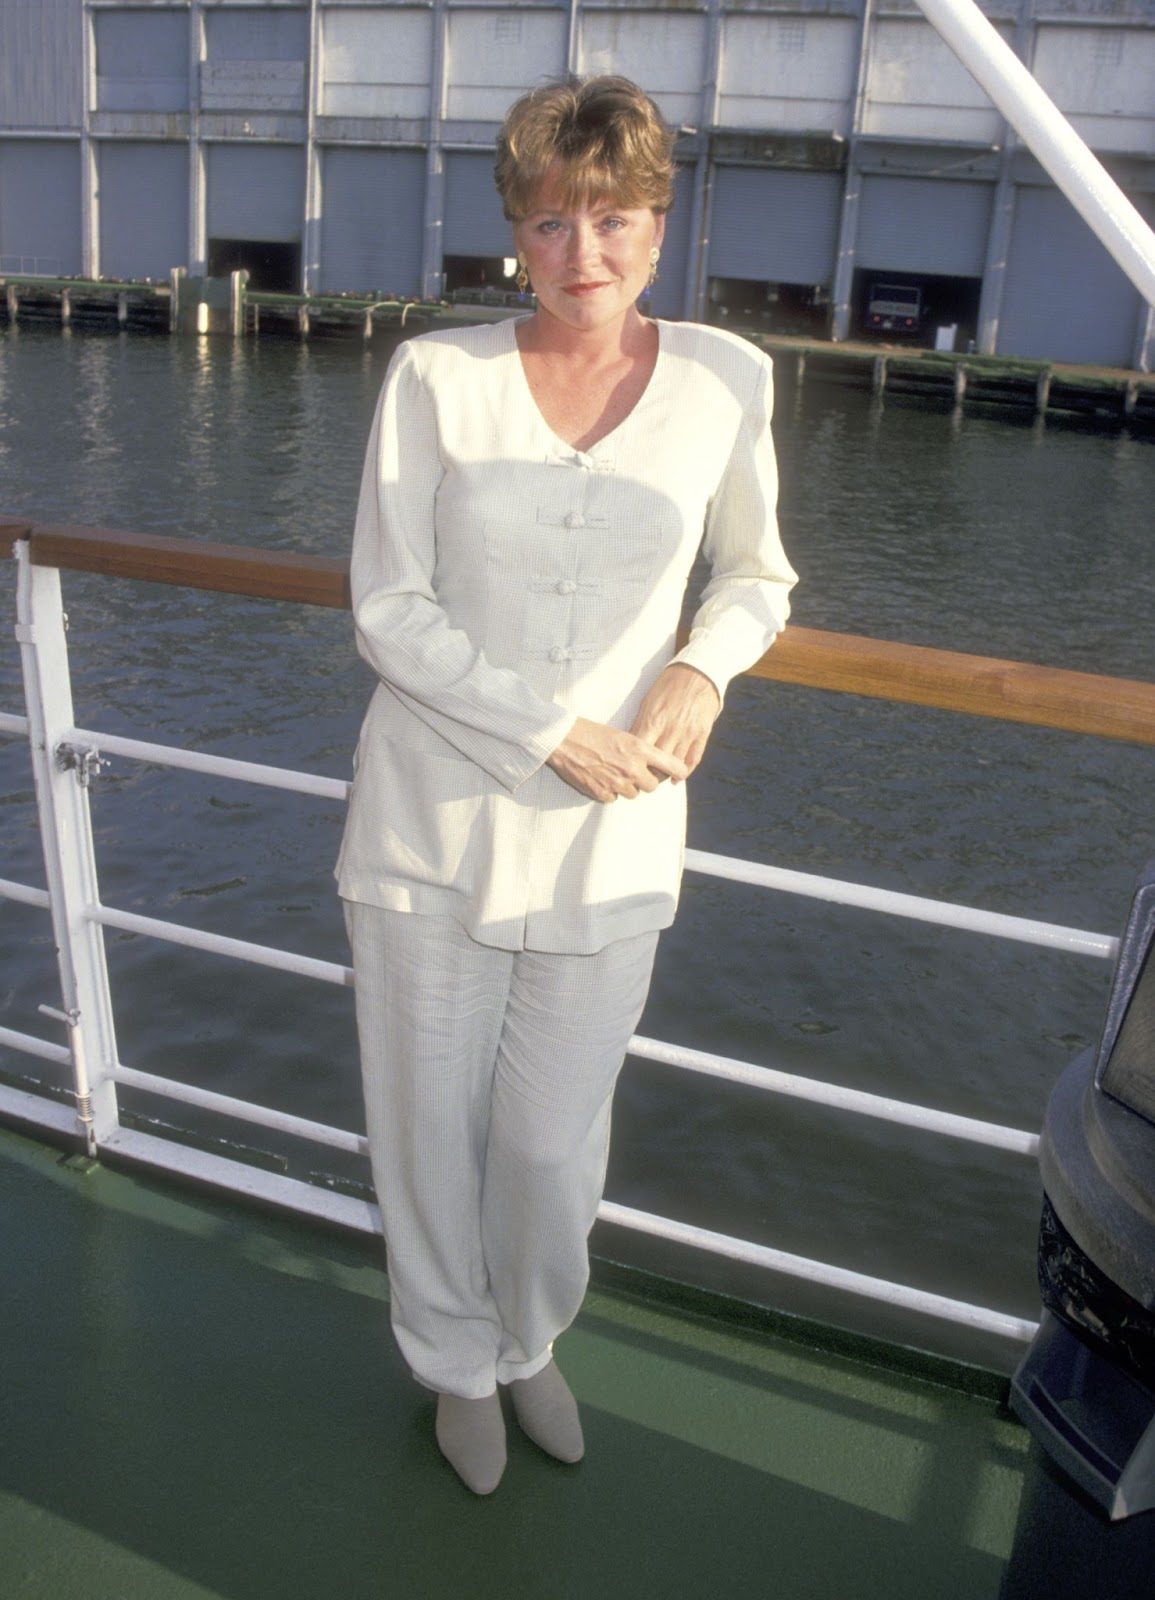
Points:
(471, 1437)
(547, 1412)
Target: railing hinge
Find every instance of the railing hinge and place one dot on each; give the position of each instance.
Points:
(83, 759)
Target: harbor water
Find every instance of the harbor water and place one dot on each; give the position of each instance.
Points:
(984, 533)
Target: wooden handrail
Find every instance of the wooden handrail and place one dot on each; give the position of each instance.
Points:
(1014, 691)
(194, 563)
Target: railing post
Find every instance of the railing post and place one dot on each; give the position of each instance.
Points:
(62, 779)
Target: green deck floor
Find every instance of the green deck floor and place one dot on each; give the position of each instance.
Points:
(199, 1401)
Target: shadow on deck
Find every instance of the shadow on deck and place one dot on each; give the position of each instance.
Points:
(200, 1400)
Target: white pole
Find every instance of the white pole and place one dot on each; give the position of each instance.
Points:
(1041, 125)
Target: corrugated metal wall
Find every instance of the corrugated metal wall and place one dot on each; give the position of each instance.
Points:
(246, 33)
(371, 220)
(375, 63)
(774, 226)
(1064, 299)
(41, 64)
(255, 59)
(475, 224)
(496, 54)
(40, 206)
(141, 60)
(924, 225)
(143, 208)
(255, 191)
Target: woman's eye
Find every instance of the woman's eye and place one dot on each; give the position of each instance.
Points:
(614, 223)
(548, 227)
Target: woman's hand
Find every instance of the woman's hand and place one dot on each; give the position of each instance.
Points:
(605, 763)
(678, 714)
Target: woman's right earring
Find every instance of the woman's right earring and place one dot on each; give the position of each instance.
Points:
(522, 279)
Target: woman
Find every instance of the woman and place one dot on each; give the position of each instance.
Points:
(535, 492)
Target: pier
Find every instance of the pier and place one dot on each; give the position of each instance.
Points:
(1104, 396)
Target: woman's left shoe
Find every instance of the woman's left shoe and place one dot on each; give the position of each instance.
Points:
(547, 1413)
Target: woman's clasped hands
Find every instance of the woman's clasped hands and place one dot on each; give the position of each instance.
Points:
(667, 740)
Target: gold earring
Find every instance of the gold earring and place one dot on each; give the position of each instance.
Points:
(655, 257)
(522, 279)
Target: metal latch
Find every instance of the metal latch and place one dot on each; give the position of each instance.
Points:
(83, 759)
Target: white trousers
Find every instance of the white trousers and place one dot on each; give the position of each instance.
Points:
(488, 1076)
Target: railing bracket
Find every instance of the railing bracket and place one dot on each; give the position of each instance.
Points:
(83, 759)
(79, 1163)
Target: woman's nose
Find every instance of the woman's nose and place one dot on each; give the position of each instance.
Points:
(582, 242)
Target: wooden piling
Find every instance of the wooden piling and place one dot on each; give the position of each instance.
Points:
(12, 299)
(960, 383)
(878, 375)
(1043, 392)
(801, 366)
(303, 321)
(122, 309)
(65, 308)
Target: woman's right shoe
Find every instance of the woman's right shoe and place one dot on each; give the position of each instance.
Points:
(471, 1437)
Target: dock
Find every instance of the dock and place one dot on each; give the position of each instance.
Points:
(1107, 397)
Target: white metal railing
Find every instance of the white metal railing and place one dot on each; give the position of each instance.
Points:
(64, 759)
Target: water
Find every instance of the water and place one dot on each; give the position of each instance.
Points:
(987, 534)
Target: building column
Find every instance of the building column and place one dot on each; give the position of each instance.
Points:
(698, 250)
(995, 265)
(846, 249)
(197, 220)
(1144, 357)
(573, 37)
(432, 275)
(89, 173)
(311, 223)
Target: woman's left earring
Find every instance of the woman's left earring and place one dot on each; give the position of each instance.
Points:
(522, 279)
(655, 257)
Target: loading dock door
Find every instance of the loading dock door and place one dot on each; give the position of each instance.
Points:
(1065, 299)
(474, 222)
(256, 191)
(924, 225)
(40, 207)
(667, 298)
(371, 220)
(143, 209)
(255, 212)
(772, 226)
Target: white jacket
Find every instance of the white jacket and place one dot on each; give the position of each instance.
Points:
(505, 583)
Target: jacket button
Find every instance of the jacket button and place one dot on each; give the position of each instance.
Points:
(574, 519)
(567, 586)
(559, 653)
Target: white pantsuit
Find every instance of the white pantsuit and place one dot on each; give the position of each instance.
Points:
(505, 584)
(489, 1076)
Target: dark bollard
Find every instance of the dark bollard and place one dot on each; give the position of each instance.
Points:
(1086, 1387)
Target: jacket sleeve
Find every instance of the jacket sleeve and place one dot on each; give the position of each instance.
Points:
(746, 602)
(487, 713)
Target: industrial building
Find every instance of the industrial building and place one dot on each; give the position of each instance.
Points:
(833, 154)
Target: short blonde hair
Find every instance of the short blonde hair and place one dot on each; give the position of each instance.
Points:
(607, 136)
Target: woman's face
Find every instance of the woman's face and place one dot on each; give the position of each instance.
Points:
(587, 265)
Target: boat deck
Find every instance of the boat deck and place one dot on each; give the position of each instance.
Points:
(202, 1401)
